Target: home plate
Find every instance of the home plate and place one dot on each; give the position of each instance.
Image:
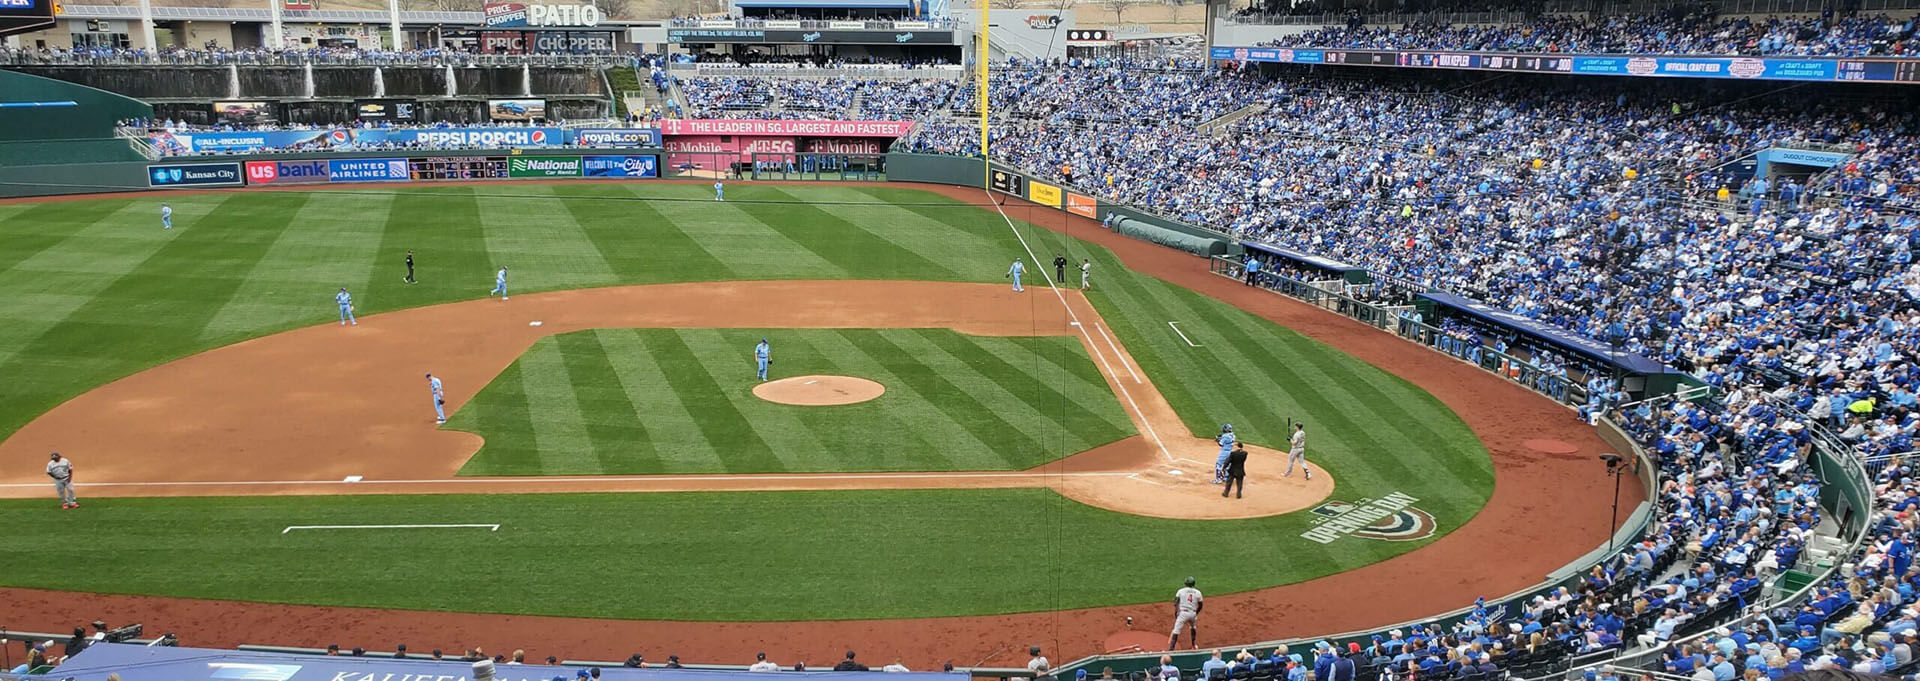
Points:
(533, 323)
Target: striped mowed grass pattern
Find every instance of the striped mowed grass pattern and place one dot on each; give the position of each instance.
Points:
(640, 401)
(96, 290)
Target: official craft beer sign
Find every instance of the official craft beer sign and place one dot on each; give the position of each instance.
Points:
(525, 15)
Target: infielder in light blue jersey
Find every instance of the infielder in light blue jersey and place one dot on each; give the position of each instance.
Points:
(1015, 271)
(499, 283)
(1226, 441)
(439, 399)
(763, 354)
(166, 216)
(719, 191)
(346, 307)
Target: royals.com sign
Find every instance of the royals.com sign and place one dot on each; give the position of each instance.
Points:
(194, 175)
(544, 166)
(617, 137)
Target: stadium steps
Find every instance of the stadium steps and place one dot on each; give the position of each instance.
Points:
(1218, 126)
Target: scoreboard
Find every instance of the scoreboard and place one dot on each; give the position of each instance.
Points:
(21, 16)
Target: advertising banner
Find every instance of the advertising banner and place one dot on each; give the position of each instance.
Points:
(573, 42)
(862, 145)
(831, 37)
(503, 42)
(243, 112)
(1043, 194)
(770, 23)
(287, 172)
(394, 110)
(617, 137)
(622, 166)
(1003, 181)
(544, 166)
(298, 5)
(1761, 68)
(538, 15)
(807, 128)
(194, 175)
(494, 138)
(517, 109)
(1082, 205)
(220, 142)
(847, 25)
(367, 170)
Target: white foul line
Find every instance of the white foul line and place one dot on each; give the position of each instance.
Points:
(1083, 329)
(1183, 335)
(1116, 352)
(290, 528)
(590, 479)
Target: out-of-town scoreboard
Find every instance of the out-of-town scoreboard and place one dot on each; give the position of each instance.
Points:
(22, 16)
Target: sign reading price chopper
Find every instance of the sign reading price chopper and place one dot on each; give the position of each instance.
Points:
(538, 28)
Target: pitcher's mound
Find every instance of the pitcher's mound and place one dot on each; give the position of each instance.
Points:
(819, 391)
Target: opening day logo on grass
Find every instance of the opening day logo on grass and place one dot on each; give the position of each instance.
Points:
(544, 166)
(1389, 518)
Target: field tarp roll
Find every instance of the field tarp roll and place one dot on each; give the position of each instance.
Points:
(1198, 245)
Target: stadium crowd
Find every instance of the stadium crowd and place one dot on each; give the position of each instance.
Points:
(1680, 31)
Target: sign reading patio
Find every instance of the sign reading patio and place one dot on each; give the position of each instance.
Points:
(524, 15)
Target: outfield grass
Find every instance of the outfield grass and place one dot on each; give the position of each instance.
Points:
(96, 291)
(680, 401)
(683, 556)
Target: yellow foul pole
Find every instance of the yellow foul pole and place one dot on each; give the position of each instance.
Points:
(980, 76)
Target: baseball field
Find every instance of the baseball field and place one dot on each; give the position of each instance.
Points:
(606, 454)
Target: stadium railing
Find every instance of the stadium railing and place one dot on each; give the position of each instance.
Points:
(976, 672)
(25, 57)
(1841, 470)
(855, 72)
(1389, 319)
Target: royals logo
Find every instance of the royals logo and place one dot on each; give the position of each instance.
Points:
(1389, 518)
(1043, 22)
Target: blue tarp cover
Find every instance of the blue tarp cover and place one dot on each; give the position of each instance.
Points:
(142, 663)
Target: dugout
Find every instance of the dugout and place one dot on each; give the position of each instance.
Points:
(1536, 337)
(1317, 268)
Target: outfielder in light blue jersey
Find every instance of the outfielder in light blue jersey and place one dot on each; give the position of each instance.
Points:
(499, 283)
(1226, 441)
(1015, 271)
(346, 307)
(763, 354)
(166, 216)
(439, 399)
(719, 191)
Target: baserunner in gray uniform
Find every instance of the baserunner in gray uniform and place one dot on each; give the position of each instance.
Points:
(61, 470)
(1298, 453)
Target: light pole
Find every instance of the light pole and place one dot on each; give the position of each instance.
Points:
(1616, 467)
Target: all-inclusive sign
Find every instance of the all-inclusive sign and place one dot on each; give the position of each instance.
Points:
(545, 166)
